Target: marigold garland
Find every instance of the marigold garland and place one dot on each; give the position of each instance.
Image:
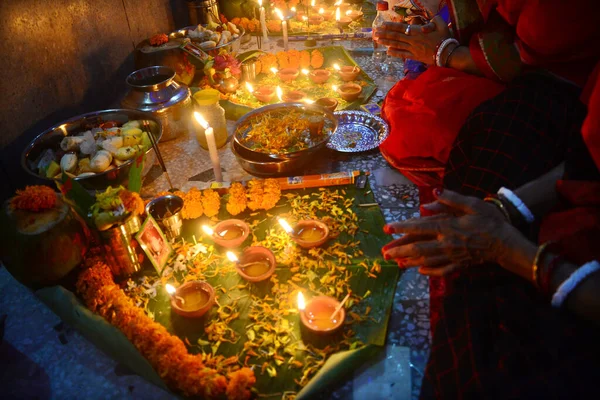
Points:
(35, 199)
(166, 353)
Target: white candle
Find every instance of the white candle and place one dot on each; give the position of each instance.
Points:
(263, 22)
(212, 146)
(283, 28)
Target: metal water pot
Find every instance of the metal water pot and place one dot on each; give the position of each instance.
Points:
(154, 90)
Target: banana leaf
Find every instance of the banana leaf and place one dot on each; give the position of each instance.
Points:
(242, 102)
(377, 292)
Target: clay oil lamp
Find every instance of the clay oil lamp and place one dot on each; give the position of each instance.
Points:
(322, 314)
(307, 233)
(192, 299)
(300, 16)
(319, 76)
(348, 72)
(354, 15)
(326, 14)
(349, 91)
(293, 96)
(288, 74)
(315, 19)
(256, 263)
(328, 103)
(230, 233)
(262, 93)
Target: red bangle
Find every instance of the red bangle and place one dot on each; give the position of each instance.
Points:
(545, 283)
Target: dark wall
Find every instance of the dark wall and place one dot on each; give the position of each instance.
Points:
(62, 58)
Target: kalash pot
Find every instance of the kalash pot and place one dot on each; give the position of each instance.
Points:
(154, 90)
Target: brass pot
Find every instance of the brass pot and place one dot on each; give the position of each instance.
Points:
(40, 248)
(123, 254)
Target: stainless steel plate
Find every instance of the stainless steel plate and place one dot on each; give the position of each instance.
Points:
(357, 131)
(183, 33)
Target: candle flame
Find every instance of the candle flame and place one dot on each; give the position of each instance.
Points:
(274, 70)
(232, 257)
(301, 302)
(338, 3)
(321, 11)
(279, 13)
(285, 225)
(337, 14)
(170, 288)
(249, 87)
(208, 230)
(200, 120)
(305, 71)
(334, 87)
(279, 93)
(336, 67)
(260, 3)
(349, 12)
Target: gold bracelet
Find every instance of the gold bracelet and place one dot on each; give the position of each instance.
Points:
(500, 206)
(535, 268)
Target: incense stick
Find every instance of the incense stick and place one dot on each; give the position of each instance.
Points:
(337, 310)
(157, 151)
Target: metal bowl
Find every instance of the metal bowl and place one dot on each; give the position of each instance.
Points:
(52, 137)
(183, 33)
(243, 127)
(358, 131)
(263, 165)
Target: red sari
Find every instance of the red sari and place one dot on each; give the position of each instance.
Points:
(504, 37)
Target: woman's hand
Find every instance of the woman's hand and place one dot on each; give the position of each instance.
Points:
(419, 44)
(469, 232)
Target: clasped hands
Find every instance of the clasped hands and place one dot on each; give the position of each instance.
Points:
(419, 42)
(464, 231)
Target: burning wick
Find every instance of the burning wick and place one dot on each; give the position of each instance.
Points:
(348, 12)
(171, 290)
(334, 87)
(293, 9)
(279, 93)
(286, 226)
(301, 302)
(249, 87)
(234, 259)
(336, 67)
(309, 101)
(274, 70)
(208, 230)
(305, 71)
(321, 11)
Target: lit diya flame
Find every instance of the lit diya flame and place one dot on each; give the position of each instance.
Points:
(349, 12)
(337, 68)
(309, 101)
(170, 289)
(304, 18)
(337, 14)
(249, 87)
(274, 70)
(232, 257)
(279, 93)
(208, 230)
(200, 120)
(260, 3)
(285, 225)
(301, 302)
(334, 88)
(305, 71)
(321, 10)
(279, 13)
(293, 9)
(312, 3)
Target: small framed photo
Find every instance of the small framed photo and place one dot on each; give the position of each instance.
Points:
(154, 243)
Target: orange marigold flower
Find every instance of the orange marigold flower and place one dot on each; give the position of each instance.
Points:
(316, 59)
(158, 39)
(239, 383)
(304, 59)
(211, 201)
(34, 198)
(192, 204)
(132, 202)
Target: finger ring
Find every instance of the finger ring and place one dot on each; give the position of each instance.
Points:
(407, 31)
